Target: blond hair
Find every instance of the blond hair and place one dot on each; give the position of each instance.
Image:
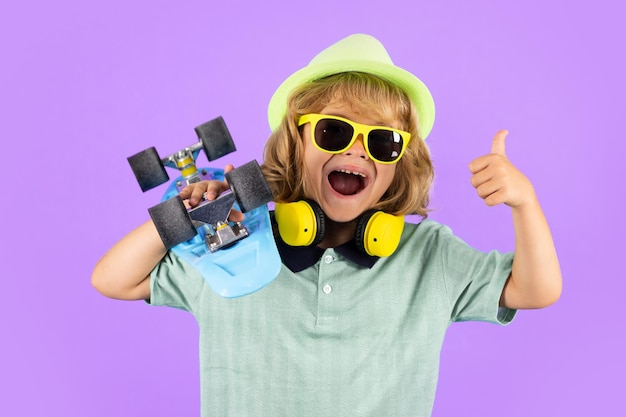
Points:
(367, 94)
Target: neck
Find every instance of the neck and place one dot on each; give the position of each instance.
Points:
(336, 234)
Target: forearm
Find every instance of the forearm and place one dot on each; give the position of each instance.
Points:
(535, 280)
(123, 272)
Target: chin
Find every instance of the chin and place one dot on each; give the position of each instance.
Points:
(342, 214)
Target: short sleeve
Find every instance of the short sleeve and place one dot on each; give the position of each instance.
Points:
(175, 283)
(474, 282)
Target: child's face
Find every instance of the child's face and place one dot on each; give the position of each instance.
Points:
(346, 184)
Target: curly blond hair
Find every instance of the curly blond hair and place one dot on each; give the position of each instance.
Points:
(367, 94)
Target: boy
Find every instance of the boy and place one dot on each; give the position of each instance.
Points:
(352, 325)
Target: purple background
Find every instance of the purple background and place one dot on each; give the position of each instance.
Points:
(84, 84)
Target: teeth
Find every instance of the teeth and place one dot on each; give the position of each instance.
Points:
(345, 171)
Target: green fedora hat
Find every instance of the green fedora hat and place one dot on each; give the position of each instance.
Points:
(361, 53)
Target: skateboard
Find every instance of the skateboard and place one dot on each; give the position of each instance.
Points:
(235, 258)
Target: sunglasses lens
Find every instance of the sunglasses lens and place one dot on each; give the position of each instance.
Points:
(333, 135)
(385, 145)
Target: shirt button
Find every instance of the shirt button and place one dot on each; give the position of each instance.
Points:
(327, 289)
(328, 259)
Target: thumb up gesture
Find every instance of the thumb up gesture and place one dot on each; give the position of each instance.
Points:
(497, 180)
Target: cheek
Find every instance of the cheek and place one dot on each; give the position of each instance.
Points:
(313, 163)
(313, 158)
(385, 175)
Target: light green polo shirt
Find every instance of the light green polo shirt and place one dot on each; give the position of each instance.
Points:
(338, 339)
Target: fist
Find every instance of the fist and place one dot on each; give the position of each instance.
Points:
(195, 193)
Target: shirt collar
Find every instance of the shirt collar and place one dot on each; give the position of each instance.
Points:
(299, 258)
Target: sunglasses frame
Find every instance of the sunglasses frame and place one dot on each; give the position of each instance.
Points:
(358, 128)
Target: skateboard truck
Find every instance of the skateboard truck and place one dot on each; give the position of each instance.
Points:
(219, 233)
(225, 235)
(149, 168)
(174, 222)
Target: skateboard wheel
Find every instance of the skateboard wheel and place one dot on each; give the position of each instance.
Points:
(148, 169)
(172, 222)
(249, 186)
(215, 138)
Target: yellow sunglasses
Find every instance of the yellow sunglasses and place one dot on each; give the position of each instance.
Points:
(334, 134)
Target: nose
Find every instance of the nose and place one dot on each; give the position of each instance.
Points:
(357, 148)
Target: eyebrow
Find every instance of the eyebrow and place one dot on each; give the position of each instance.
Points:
(382, 124)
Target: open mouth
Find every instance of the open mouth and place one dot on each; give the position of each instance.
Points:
(347, 182)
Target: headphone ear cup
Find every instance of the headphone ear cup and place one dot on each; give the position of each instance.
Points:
(361, 227)
(378, 233)
(300, 223)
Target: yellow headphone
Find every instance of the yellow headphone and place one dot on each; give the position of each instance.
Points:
(302, 224)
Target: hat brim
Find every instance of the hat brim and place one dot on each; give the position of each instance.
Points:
(416, 90)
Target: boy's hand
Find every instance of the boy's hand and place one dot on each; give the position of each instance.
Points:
(497, 180)
(193, 193)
